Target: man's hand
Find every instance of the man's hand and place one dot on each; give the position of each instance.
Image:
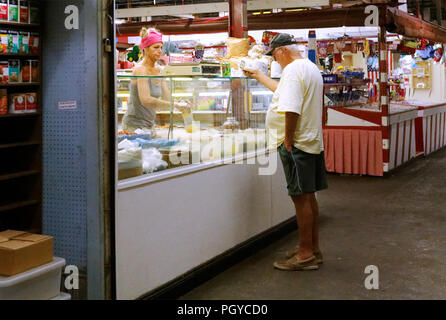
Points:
(253, 73)
(262, 78)
(289, 144)
(290, 129)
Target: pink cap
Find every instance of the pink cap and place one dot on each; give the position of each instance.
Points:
(151, 39)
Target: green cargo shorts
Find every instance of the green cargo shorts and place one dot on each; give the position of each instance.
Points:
(304, 172)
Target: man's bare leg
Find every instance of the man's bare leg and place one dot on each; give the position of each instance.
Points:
(315, 209)
(304, 215)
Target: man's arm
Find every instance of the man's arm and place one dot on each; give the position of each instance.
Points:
(290, 129)
(262, 78)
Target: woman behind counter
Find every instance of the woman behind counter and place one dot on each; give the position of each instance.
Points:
(148, 95)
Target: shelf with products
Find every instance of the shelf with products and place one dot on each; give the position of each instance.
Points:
(346, 94)
(21, 116)
(17, 204)
(6, 24)
(20, 174)
(219, 121)
(19, 84)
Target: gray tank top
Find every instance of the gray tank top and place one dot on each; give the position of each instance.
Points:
(137, 115)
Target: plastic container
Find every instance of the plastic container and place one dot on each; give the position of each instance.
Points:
(231, 124)
(41, 283)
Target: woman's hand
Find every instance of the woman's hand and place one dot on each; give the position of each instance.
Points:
(184, 106)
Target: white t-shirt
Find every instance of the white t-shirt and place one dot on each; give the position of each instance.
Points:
(300, 91)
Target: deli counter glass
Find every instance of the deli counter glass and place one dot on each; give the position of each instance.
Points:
(191, 120)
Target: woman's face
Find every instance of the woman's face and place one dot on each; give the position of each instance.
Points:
(155, 51)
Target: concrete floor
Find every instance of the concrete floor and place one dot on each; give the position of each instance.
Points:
(397, 223)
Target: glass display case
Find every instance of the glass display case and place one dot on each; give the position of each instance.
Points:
(224, 118)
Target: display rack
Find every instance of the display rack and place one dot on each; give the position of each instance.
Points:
(21, 149)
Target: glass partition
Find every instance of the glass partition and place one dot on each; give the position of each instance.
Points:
(166, 122)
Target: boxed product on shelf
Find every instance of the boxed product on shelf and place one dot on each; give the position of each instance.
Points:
(26, 70)
(31, 102)
(4, 41)
(4, 72)
(13, 42)
(14, 71)
(13, 12)
(34, 12)
(3, 9)
(17, 103)
(34, 70)
(21, 251)
(24, 42)
(34, 40)
(24, 11)
(3, 101)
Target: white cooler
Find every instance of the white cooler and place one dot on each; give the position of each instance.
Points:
(41, 283)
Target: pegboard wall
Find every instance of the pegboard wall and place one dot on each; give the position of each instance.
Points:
(67, 76)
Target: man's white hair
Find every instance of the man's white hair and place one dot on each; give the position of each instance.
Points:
(297, 48)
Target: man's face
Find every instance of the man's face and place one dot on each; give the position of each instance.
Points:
(279, 55)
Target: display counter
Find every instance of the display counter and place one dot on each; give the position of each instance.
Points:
(197, 192)
(429, 124)
(227, 118)
(354, 136)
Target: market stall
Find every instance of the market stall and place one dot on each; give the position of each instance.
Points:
(409, 77)
(175, 184)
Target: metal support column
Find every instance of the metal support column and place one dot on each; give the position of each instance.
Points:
(384, 96)
(238, 28)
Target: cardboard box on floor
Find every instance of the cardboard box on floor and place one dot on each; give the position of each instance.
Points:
(21, 251)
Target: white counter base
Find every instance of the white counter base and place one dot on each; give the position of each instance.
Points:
(166, 228)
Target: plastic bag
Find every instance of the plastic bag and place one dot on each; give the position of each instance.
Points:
(153, 161)
(237, 47)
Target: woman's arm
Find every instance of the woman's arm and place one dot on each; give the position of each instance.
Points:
(165, 89)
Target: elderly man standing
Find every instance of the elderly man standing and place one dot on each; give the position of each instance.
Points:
(294, 122)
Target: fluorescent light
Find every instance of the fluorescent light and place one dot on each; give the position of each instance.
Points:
(119, 21)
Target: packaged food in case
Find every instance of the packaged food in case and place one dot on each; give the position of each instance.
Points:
(4, 46)
(24, 11)
(4, 72)
(3, 101)
(14, 71)
(17, 103)
(226, 69)
(3, 9)
(31, 102)
(13, 10)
